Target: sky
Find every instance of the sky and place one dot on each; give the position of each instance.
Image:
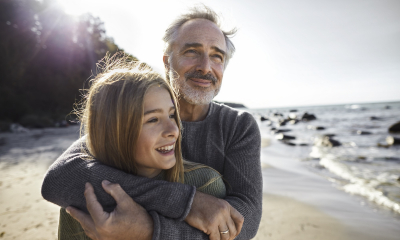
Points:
(288, 52)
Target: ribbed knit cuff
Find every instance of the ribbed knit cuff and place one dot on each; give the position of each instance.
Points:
(156, 225)
(189, 204)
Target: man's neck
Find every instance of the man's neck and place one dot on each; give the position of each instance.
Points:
(192, 113)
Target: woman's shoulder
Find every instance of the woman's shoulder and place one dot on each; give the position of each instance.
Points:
(206, 180)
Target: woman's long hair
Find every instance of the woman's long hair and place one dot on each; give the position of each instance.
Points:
(112, 113)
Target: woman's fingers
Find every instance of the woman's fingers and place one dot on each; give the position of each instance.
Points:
(93, 206)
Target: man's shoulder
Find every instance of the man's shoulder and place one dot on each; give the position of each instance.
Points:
(227, 113)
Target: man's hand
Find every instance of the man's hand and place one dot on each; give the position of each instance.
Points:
(213, 216)
(128, 220)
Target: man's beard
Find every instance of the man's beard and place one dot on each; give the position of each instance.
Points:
(195, 95)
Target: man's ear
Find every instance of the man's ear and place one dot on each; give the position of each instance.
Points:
(166, 63)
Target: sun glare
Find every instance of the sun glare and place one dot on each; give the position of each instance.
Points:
(76, 7)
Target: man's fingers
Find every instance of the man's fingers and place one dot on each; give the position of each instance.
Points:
(123, 200)
(237, 218)
(232, 229)
(93, 206)
(84, 219)
(224, 235)
(215, 235)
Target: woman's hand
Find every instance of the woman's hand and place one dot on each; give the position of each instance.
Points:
(119, 224)
(215, 217)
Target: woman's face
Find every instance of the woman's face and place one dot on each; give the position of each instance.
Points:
(155, 149)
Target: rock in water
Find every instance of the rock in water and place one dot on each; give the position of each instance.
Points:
(395, 128)
(308, 117)
(359, 132)
(392, 140)
(315, 127)
(326, 141)
(284, 137)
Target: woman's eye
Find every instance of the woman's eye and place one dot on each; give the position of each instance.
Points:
(152, 120)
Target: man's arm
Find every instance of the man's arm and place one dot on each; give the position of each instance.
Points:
(119, 224)
(64, 185)
(242, 171)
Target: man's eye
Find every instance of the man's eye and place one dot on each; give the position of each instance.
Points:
(172, 115)
(191, 51)
(219, 57)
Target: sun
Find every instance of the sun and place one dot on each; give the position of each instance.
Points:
(76, 7)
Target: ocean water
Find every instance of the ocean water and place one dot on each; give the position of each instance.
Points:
(361, 165)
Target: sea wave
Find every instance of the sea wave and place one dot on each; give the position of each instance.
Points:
(357, 185)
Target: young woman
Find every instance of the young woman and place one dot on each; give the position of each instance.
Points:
(131, 122)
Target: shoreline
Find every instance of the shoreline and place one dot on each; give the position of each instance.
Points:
(288, 178)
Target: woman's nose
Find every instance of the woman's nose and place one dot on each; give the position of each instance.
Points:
(171, 129)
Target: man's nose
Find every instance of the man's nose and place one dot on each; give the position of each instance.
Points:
(204, 65)
(171, 129)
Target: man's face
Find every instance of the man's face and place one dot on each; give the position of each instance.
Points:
(196, 64)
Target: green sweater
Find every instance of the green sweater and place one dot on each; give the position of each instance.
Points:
(205, 179)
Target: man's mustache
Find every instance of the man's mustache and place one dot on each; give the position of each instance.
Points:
(196, 74)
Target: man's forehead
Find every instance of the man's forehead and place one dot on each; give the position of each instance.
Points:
(201, 31)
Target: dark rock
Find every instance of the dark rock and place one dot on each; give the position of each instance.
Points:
(289, 143)
(283, 137)
(315, 127)
(264, 119)
(282, 130)
(382, 145)
(308, 117)
(330, 135)
(392, 140)
(294, 121)
(303, 144)
(374, 118)
(293, 110)
(326, 142)
(282, 122)
(395, 128)
(278, 114)
(359, 132)
(388, 107)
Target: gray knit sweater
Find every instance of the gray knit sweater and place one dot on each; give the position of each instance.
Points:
(226, 140)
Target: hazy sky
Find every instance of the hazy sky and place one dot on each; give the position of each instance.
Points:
(288, 52)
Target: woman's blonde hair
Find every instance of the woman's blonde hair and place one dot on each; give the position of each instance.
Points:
(112, 113)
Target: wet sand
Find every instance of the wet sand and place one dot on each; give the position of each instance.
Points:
(297, 204)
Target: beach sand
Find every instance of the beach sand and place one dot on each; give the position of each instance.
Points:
(296, 204)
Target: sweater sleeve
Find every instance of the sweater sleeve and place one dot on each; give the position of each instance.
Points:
(242, 171)
(64, 185)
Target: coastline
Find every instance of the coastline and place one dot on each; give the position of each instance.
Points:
(297, 191)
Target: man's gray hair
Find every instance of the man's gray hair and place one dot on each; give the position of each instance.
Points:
(198, 12)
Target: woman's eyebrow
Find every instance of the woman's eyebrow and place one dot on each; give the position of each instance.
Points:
(158, 110)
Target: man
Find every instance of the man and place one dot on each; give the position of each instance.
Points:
(196, 55)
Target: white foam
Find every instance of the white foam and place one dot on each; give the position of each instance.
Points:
(358, 185)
